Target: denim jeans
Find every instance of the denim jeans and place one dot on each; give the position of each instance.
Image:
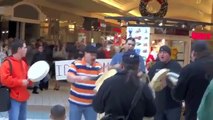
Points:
(76, 112)
(44, 80)
(18, 110)
(170, 114)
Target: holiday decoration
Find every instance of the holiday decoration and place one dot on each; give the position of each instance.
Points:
(144, 4)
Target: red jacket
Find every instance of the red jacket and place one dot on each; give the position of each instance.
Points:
(14, 80)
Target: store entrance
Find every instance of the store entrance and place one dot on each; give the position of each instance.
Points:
(32, 31)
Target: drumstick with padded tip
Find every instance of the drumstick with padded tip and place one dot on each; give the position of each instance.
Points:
(103, 77)
(173, 77)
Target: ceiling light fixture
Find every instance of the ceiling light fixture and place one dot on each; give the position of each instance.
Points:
(202, 27)
(137, 22)
(160, 24)
(183, 26)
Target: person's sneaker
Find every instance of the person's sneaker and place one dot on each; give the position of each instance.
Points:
(35, 88)
(41, 88)
(35, 92)
(45, 88)
(46, 85)
(30, 88)
(56, 88)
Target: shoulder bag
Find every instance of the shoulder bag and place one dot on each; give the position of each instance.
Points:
(5, 93)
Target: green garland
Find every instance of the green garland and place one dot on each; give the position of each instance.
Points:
(161, 13)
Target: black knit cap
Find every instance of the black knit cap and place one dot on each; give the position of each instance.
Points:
(165, 48)
(90, 49)
(130, 57)
(200, 46)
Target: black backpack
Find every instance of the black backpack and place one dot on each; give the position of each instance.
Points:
(5, 93)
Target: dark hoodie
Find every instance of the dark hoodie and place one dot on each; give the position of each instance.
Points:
(193, 81)
(164, 100)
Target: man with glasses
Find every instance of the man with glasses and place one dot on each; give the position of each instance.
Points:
(14, 76)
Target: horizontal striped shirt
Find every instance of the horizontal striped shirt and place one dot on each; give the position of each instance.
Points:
(81, 92)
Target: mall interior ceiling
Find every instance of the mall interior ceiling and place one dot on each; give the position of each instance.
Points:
(192, 10)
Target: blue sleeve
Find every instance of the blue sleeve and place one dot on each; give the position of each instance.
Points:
(114, 59)
(142, 65)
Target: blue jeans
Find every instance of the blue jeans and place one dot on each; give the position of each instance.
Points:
(170, 114)
(44, 80)
(18, 110)
(76, 112)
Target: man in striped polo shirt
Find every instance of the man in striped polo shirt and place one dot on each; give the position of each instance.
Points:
(80, 74)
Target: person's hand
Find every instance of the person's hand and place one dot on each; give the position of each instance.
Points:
(25, 82)
(140, 74)
(163, 82)
(117, 66)
(170, 83)
(95, 91)
(84, 78)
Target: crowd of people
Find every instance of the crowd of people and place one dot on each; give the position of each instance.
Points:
(122, 96)
(50, 52)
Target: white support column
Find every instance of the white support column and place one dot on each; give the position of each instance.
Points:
(187, 58)
(22, 31)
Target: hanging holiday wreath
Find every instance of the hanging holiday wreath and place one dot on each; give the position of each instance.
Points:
(160, 13)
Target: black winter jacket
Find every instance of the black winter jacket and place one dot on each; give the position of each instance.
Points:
(115, 97)
(164, 100)
(193, 81)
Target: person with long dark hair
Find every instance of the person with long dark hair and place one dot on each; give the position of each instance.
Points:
(117, 92)
(39, 55)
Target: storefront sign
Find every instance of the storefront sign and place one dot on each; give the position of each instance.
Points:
(201, 36)
(61, 67)
(103, 25)
(142, 39)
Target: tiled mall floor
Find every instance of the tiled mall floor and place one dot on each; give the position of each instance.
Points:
(39, 104)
